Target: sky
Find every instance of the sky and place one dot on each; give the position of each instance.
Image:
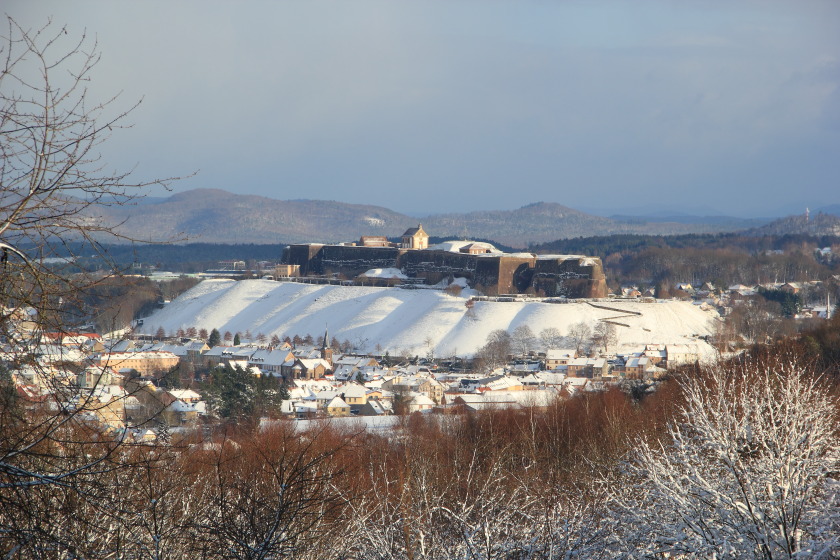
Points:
(703, 107)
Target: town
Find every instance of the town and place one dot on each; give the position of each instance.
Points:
(153, 380)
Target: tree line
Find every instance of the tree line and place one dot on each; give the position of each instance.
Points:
(735, 460)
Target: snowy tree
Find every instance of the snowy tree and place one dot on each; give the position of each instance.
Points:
(604, 336)
(495, 351)
(475, 511)
(580, 333)
(522, 340)
(551, 337)
(744, 471)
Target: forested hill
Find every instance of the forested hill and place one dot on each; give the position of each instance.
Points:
(816, 225)
(722, 259)
(605, 245)
(217, 216)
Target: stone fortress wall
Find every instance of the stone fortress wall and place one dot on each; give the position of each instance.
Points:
(571, 276)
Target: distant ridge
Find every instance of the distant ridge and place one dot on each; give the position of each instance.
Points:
(817, 225)
(218, 216)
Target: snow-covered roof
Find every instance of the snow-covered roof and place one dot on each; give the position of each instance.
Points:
(338, 402)
(422, 400)
(560, 353)
(184, 394)
(560, 257)
(354, 391)
(456, 246)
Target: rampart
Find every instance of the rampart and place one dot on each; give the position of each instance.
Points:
(560, 276)
(572, 276)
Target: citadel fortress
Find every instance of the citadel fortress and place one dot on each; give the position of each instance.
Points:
(486, 269)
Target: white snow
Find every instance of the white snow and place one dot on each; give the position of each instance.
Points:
(456, 246)
(401, 321)
(385, 273)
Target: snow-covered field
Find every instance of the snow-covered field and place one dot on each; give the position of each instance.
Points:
(402, 321)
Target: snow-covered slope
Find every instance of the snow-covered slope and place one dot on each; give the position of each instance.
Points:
(402, 321)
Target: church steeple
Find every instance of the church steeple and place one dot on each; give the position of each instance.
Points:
(326, 350)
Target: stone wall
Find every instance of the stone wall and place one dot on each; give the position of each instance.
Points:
(570, 277)
(573, 277)
(345, 260)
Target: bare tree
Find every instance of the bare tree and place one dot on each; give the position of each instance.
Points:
(551, 337)
(495, 351)
(580, 333)
(604, 335)
(522, 340)
(268, 497)
(746, 471)
(53, 187)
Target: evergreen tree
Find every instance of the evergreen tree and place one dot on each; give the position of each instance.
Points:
(284, 392)
(171, 379)
(236, 340)
(215, 338)
(269, 394)
(230, 392)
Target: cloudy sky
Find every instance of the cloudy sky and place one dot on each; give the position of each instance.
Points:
(436, 106)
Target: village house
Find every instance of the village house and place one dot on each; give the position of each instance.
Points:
(587, 367)
(354, 395)
(424, 385)
(183, 407)
(559, 357)
(88, 342)
(681, 354)
(286, 270)
(144, 363)
(190, 352)
(337, 407)
(95, 376)
(180, 414)
(376, 408)
(224, 355)
(302, 368)
(106, 404)
(271, 360)
(655, 354)
(418, 402)
(634, 367)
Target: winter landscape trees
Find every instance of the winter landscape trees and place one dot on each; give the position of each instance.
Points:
(736, 461)
(743, 471)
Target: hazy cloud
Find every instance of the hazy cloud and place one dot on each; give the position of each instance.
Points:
(455, 106)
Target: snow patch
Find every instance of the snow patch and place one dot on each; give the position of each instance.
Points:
(385, 273)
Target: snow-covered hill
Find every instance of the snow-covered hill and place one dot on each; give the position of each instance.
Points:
(404, 321)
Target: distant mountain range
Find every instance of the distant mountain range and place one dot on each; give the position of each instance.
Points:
(818, 225)
(217, 216)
